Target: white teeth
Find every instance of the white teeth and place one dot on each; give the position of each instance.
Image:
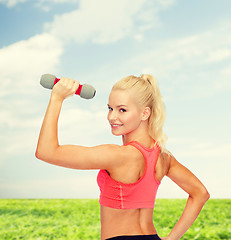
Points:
(116, 125)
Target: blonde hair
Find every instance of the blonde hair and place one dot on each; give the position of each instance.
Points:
(147, 94)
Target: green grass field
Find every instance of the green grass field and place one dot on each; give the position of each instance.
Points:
(80, 219)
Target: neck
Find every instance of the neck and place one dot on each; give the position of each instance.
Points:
(140, 135)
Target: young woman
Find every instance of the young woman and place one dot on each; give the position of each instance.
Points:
(130, 174)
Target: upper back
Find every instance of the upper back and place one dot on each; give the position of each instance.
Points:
(139, 194)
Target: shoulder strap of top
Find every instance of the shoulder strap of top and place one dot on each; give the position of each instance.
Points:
(134, 144)
(141, 147)
(150, 155)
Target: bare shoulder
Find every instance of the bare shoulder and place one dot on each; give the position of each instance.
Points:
(118, 150)
(131, 151)
(166, 157)
(119, 155)
(163, 165)
(165, 160)
(170, 161)
(125, 155)
(131, 165)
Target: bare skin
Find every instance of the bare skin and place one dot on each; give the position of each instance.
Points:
(131, 221)
(124, 163)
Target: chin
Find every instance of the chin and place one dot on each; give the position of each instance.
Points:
(117, 134)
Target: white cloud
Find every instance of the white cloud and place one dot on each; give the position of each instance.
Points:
(195, 66)
(219, 55)
(86, 127)
(226, 71)
(21, 65)
(201, 148)
(43, 4)
(106, 21)
(166, 3)
(11, 3)
(57, 1)
(47, 5)
(195, 50)
(202, 59)
(23, 129)
(24, 61)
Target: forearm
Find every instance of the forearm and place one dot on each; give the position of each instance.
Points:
(189, 215)
(48, 138)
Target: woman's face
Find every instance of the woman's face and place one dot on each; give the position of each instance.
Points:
(124, 115)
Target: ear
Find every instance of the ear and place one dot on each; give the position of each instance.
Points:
(146, 113)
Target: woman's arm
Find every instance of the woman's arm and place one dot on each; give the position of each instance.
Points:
(198, 195)
(72, 156)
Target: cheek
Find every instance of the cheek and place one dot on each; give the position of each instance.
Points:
(133, 120)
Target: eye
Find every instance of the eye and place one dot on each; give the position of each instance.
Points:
(122, 110)
(109, 108)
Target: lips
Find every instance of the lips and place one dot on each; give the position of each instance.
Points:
(113, 125)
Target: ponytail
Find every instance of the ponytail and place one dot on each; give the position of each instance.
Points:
(158, 114)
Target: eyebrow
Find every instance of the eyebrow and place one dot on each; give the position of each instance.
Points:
(122, 105)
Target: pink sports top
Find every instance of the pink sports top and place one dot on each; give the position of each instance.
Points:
(141, 194)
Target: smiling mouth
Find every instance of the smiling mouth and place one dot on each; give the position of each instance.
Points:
(116, 125)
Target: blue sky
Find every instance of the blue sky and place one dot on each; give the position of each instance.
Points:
(186, 45)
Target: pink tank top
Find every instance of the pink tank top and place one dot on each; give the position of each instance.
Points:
(141, 194)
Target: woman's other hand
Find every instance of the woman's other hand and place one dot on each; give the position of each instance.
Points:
(66, 87)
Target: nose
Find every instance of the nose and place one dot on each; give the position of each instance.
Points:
(112, 116)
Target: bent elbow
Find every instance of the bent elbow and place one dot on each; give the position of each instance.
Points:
(47, 155)
(203, 195)
(206, 195)
(39, 155)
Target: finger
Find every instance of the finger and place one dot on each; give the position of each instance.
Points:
(63, 80)
(70, 83)
(66, 81)
(76, 85)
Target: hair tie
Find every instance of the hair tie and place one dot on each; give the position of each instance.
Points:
(145, 77)
(149, 81)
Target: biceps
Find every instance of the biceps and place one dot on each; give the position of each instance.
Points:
(72, 156)
(79, 157)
